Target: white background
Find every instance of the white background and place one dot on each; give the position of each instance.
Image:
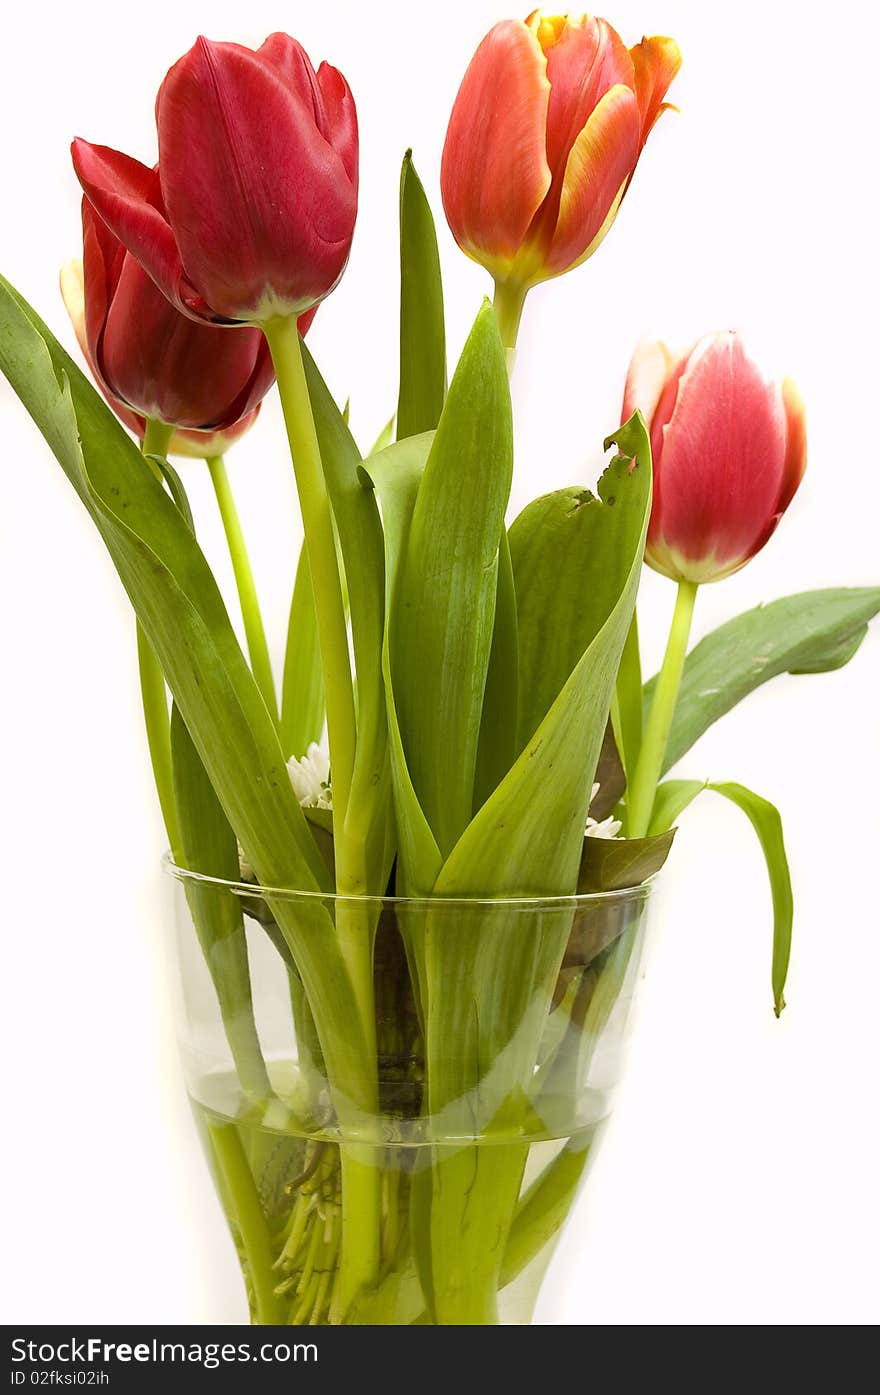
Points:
(738, 1183)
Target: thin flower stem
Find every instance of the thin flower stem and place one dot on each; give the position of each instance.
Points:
(508, 303)
(361, 1199)
(154, 696)
(627, 708)
(283, 339)
(239, 1190)
(649, 766)
(255, 632)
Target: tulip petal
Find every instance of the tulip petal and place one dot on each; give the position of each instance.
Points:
(162, 364)
(73, 295)
(127, 195)
(720, 466)
(646, 377)
(665, 404)
(795, 442)
(584, 60)
(201, 445)
(292, 64)
(494, 174)
(261, 379)
(103, 255)
(340, 117)
(596, 173)
(326, 92)
(260, 203)
(655, 63)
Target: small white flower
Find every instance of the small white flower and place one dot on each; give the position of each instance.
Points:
(604, 828)
(310, 778)
(607, 828)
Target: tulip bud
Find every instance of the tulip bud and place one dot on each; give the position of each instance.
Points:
(251, 213)
(543, 140)
(729, 450)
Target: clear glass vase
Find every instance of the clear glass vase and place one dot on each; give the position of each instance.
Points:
(408, 1156)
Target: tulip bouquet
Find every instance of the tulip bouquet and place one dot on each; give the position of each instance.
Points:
(409, 967)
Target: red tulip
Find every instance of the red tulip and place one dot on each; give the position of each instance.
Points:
(149, 359)
(251, 213)
(729, 449)
(543, 140)
(195, 444)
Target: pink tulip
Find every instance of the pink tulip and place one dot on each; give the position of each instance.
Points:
(543, 140)
(729, 448)
(251, 213)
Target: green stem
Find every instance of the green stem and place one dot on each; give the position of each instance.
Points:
(157, 437)
(154, 700)
(361, 1192)
(361, 1225)
(540, 1214)
(284, 345)
(238, 1189)
(302, 686)
(640, 800)
(627, 707)
(154, 696)
(508, 302)
(542, 1209)
(244, 580)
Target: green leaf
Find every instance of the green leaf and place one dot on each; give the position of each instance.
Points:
(384, 439)
(673, 797)
(444, 607)
(302, 691)
(813, 632)
(396, 474)
(487, 978)
(422, 323)
(837, 655)
(615, 864)
(765, 820)
(362, 548)
(565, 589)
(609, 777)
(175, 488)
(180, 608)
(174, 593)
(526, 839)
(670, 802)
(628, 705)
(497, 749)
(209, 847)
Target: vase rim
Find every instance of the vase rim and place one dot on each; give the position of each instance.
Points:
(549, 902)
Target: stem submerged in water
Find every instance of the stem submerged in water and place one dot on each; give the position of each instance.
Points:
(239, 1193)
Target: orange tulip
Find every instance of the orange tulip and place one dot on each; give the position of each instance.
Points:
(543, 140)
